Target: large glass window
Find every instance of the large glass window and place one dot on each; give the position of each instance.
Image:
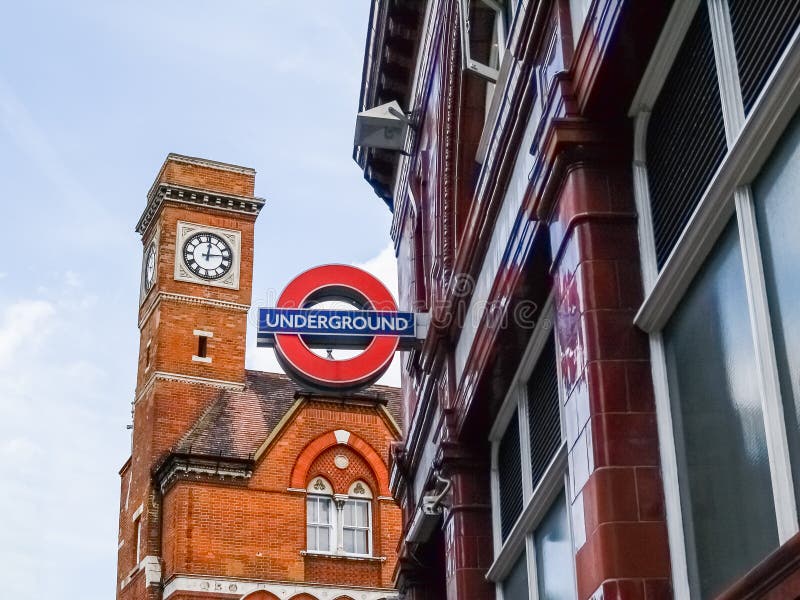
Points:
(776, 203)
(723, 466)
(728, 477)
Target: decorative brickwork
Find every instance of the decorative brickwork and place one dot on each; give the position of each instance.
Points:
(212, 500)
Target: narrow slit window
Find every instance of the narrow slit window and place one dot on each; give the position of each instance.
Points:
(202, 346)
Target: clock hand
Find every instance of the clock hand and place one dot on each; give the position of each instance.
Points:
(208, 251)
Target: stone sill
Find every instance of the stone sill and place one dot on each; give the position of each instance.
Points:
(312, 554)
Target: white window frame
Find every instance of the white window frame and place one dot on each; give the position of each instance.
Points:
(357, 528)
(317, 525)
(555, 480)
(750, 142)
(467, 62)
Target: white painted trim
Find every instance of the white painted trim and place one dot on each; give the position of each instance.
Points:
(201, 359)
(282, 589)
(641, 194)
(533, 574)
(730, 91)
(767, 368)
(494, 485)
(669, 42)
(203, 333)
(524, 442)
(669, 468)
(137, 513)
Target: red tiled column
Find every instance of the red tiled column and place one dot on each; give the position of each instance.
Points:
(615, 491)
(468, 532)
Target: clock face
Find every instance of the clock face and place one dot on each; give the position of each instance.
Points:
(207, 255)
(150, 267)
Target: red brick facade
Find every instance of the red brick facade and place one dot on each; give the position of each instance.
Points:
(213, 500)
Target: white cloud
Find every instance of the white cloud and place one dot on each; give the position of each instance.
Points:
(25, 324)
(384, 267)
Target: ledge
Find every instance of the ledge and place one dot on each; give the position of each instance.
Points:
(312, 554)
(777, 576)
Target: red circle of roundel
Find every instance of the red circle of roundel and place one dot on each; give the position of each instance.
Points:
(325, 373)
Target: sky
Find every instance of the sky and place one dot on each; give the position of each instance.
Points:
(93, 95)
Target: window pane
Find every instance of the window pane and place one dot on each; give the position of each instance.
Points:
(685, 137)
(349, 540)
(361, 542)
(324, 539)
(515, 587)
(554, 562)
(509, 471)
(311, 535)
(311, 510)
(363, 514)
(723, 469)
(775, 193)
(324, 510)
(347, 513)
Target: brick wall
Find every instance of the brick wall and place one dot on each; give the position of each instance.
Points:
(258, 529)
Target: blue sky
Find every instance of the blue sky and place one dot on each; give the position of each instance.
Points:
(93, 95)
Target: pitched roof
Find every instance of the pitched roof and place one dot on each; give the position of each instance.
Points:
(238, 422)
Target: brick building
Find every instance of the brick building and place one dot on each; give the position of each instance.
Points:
(597, 204)
(240, 484)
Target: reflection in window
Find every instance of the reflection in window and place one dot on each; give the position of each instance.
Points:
(778, 219)
(723, 467)
(554, 561)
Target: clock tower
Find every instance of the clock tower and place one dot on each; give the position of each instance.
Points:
(196, 287)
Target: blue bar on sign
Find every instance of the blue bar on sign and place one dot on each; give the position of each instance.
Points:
(335, 322)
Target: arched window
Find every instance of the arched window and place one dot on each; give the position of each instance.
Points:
(357, 520)
(320, 517)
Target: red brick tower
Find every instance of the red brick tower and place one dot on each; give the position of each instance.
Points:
(231, 470)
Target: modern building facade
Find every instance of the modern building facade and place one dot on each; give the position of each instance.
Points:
(597, 205)
(240, 484)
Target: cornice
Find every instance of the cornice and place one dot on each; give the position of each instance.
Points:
(192, 467)
(165, 376)
(172, 297)
(166, 192)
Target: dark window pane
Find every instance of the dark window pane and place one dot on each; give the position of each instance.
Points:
(554, 562)
(685, 137)
(761, 32)
(509, 469)
(515, 587)
(543, 412)
(778, 218)
(723, 468)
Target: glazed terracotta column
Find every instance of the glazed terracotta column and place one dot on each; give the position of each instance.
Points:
(616, 492)
(467, 526)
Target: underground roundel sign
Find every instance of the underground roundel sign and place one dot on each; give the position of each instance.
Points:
(298, 325)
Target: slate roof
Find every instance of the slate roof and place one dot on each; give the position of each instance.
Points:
(237, 422)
